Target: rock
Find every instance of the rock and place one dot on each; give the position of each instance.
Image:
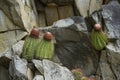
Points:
(20, 12)
(17, 48)
(73, 46)
(63, 2)
(65, 9)
(20, 34)
(42, 20)
(111, 18)
(86, 7)
(5, 23)
(18, 69)
(106, 70)
(4, 75)
(39, 6)
(7, 39)
(83, 7)
(29, 74)
(49, 12)
(53, 71)
(5, 58)
(38, 77)
(114, 60)
(27, 14)
(95, 5)
(10, 11)
(38, 65)
(58, 2)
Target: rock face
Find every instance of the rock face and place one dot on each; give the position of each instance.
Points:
(73, 46)
(4, 75)
(109, 62)
(20, 12)
(18, 69)
(112, 22)
(53, 71)
(86, 7)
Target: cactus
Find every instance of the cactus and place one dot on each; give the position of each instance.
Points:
(98, 38)
(45, 49)
(77, 74)
(30, 44)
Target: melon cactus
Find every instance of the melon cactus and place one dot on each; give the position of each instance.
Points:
(45, 49)
(30, 44)
(98, 37)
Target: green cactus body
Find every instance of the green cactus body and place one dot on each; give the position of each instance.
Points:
(98, 39)
(45, 50)
(29, 47)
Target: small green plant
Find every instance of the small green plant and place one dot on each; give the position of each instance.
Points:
(98, 37)
(45, 49)
(77, 74)
(30, 44)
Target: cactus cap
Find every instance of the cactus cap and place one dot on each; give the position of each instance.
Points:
(48, 36)
(97, 27)
(35, 32)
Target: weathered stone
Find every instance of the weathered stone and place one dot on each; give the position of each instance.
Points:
(5, 58)
(83, 7)
(106, 71)
(20, 12)
(18, 69)
(39, 6)
(41, 19)
(38, 77)
(5, 23)
(27, 14)
(20, 34)
(53, 71)
(4, 75)
(63, 2)
(10, 11)
(65, 11)
(38, 65)
(7, 39)
(111, 18)
(73, 45)
(51, 14)
(17, 48)
(58, 2)
(29, 74)
(95, 5)
(86, 7)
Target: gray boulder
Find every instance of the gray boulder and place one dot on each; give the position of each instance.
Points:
(18, 69)
(53, 71)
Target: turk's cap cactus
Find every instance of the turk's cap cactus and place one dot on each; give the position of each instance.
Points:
(48, 36)
(35, 33)
(97, 27)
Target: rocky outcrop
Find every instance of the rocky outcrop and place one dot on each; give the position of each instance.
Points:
(86, 7)
(109, 60)
(53, 71)
(22, 13)
(72, 48)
